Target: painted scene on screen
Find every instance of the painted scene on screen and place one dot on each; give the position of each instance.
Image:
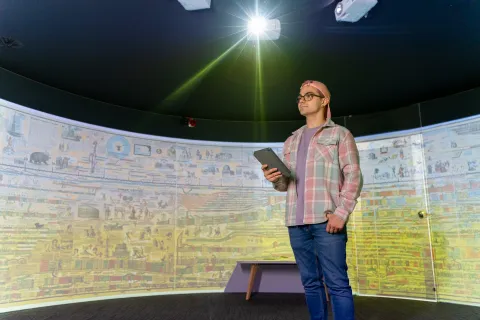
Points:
(89, 212)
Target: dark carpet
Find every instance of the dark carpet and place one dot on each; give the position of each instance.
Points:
(221, 306)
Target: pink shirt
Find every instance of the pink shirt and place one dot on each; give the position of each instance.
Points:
(333, 179)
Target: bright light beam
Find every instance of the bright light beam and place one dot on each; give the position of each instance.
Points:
(259, 106)
(193, 82)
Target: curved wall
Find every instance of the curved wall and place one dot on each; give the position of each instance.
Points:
(113, 213)
(89, 212)
(47, 99)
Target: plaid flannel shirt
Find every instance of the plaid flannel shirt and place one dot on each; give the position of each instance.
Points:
(333, 179)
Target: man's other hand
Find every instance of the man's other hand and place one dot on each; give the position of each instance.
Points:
(335, 224)
(271, 175)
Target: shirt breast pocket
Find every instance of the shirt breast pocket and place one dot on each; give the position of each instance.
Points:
(326, 149)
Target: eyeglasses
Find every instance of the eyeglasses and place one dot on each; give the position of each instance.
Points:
(307, 96)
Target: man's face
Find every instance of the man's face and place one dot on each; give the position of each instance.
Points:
(310, 101)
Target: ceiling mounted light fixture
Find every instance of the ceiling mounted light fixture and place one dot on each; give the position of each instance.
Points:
(257, 25)
(353, 10)
(192, 5)
(260, 28)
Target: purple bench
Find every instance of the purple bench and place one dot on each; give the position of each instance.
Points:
(265, 276)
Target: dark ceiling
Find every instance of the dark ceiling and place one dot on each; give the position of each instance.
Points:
(135, 54)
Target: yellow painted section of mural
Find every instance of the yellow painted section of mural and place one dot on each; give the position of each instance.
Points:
(88, 212)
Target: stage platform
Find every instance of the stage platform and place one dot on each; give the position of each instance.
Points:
(233, 306)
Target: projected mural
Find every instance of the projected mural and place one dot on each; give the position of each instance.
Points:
(417, 224)
(88, 212)
(452, 156)
(91, 212)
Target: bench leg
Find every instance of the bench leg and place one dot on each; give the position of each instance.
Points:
(326, 291)
(251, 280)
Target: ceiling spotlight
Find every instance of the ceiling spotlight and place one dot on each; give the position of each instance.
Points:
(257, 25)
(260, 28)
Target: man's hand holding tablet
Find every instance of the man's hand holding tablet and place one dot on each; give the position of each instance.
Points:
(273, 168)
(271, 175)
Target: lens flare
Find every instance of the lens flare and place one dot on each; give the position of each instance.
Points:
(257, 25)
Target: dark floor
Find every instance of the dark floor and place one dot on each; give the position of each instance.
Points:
(221, 306)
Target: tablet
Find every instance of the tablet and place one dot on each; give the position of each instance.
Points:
(269, 157)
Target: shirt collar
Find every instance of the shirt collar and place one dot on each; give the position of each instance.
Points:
(328, 123)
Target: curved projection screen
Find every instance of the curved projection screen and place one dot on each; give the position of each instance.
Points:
(88, 212)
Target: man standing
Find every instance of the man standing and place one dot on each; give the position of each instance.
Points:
(321, 194)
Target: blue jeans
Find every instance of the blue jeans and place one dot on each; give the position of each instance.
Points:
(319, 255)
